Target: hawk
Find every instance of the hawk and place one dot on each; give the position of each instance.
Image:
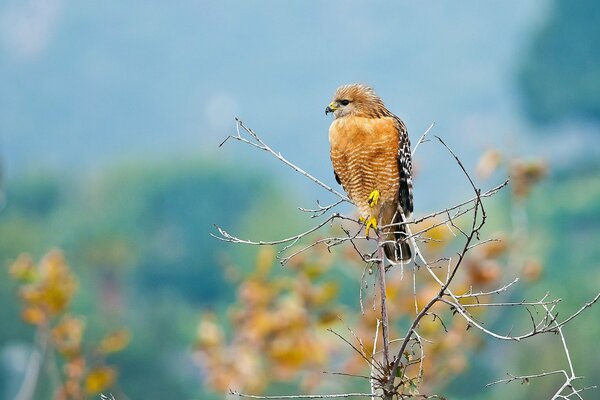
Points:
(370, 153)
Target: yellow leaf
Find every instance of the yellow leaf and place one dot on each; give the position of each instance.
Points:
(329, 317)
(53, 265)
(438, 232)
(313, 271)
(114, 342)
(31, 294)
(58, 294)
(99, 379)
(23, 269)
(53, 289)
(264, 261)
(325, 293)
(67, 336)
(429, 326)
(209, 332)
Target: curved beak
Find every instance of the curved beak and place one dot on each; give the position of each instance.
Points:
(330, 108)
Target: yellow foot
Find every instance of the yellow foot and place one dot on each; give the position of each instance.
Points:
(371, 222)
(361, 219)
(373, 198)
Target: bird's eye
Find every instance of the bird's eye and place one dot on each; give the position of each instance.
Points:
(345, 102)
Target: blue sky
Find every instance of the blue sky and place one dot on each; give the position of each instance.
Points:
(89, 84)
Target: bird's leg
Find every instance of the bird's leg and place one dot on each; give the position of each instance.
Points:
(371, 222)
(373, 198)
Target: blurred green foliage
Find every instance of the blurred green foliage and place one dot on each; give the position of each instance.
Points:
(562, 229)
(137, 239)
(560, 73)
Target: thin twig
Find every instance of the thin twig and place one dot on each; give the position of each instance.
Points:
(260, 144)
(422, 139)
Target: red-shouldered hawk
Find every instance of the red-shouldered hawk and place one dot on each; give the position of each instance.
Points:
(370, 152)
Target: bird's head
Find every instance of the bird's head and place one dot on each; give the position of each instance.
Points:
(357, 100)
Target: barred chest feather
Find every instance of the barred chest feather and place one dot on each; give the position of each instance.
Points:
(364, 154)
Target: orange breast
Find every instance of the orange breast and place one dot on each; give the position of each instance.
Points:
(364, 154)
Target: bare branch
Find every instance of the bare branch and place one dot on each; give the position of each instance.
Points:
(260, 144)
(320, 210)
(586, 305)
(384, 373)
(526, 378)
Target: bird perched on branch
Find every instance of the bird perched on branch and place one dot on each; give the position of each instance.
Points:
(370, 152)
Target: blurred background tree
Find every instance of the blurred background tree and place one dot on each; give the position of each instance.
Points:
(60, 365)
(560, 73)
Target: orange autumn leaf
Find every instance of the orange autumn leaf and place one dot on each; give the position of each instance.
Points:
(494, 248)
(75, 368)
(115, 342)
(484, 272)
(32, 295)
(488, 163)
(525, 174)
(532, 270)
(33, 315)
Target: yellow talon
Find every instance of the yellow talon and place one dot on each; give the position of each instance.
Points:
(373, 198)
(361, 219)
(371, 222)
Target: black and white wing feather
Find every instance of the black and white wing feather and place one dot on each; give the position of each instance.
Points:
(405, 190)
